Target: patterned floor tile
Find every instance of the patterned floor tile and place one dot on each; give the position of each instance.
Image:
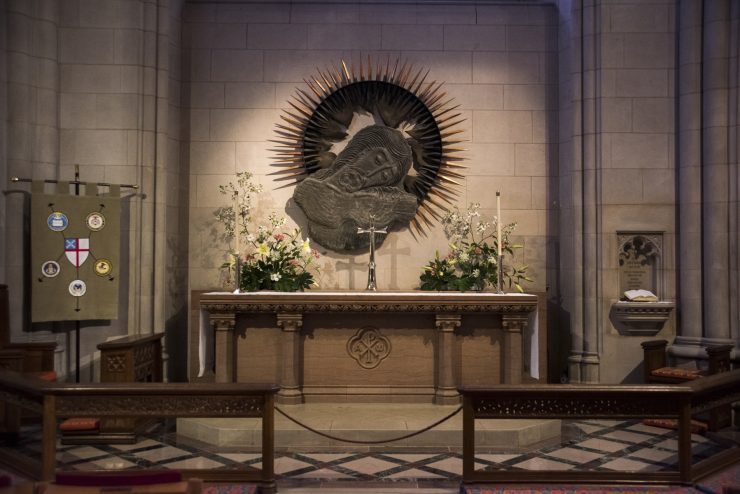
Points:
(575, 455)
(161, 454)
(146, 443)
(626, 465)
(497, 458)
(83, 452)
(449, 465)
(626, 436)
(543, 464)
(323, 473)
(195, 464)
(285, 464)
(669, 444)
(369, 465)
(240, 457)
(601, 445)
(415, 473)
(411, 458)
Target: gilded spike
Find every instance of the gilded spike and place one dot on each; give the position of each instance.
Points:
(321, 86)
(346, 72)
(450, 133)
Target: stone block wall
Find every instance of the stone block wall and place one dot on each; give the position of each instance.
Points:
(499, 62)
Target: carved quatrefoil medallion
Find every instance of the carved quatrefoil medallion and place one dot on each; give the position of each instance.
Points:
(368, 347)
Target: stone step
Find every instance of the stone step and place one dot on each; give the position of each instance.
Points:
(371, 422)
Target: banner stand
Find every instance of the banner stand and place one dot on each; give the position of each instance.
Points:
(89, 186)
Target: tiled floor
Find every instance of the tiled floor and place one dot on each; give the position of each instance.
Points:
(597, 445)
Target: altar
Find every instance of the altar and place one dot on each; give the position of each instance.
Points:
(369, 346)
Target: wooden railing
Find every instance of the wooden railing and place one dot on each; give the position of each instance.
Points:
(54, 401)
(611, 402)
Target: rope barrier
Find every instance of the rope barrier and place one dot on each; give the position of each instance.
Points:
(352, 441)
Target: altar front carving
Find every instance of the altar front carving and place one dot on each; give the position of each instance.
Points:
(369, 346)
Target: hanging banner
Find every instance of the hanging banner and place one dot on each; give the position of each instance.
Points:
(75, 262)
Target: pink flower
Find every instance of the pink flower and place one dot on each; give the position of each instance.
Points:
(279, 237)
(294, 262)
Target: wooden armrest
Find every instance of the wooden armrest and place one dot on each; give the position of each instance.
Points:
(719, 358)
(653, 357)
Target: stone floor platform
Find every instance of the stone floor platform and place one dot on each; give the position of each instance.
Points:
(371, 422)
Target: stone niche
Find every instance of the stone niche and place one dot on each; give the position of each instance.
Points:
(640, 262)
(640, 268)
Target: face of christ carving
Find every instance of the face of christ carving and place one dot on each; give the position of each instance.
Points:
(399, 160)
(364, 184)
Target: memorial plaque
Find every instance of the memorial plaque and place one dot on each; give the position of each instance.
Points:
(639, 261)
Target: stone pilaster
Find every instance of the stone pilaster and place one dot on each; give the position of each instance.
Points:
(225, 348)
(715, 168)
(514, 326)
(689, 167)
(290, 391)
(446, 392)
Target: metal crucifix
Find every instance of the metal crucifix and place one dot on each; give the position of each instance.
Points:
(371, 282)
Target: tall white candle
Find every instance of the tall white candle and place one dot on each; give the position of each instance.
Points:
(498, 222)
(236, 223)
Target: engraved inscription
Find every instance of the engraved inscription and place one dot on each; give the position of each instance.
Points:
(368, 347)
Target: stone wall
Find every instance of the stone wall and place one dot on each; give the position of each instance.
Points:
(499, 62)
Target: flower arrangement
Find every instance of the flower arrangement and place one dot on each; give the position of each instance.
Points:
(472, 263)
(275, 259)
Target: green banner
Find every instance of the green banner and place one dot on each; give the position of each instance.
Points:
(75, 261)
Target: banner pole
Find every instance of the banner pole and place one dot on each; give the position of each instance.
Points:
(77, 322)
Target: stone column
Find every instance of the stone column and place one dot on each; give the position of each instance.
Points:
(225, 348)
(715, 173)
(514, 325)
(446, 392)
(689, 171)
(290, 391)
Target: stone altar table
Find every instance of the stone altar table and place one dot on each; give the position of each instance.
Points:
(391, 328)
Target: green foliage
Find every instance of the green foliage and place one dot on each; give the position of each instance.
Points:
(274, 259)
(472, 263)
(278, 261)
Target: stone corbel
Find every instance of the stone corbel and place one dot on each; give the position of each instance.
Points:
(640, 318)
(290, 391)
(514, 326)
(446, 392)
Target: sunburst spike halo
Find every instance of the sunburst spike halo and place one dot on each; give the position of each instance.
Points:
(434, 214)
(314, 103)
(431, 90)
(415, 90)
(412, 85)
(401, 93)
(336, 78)
(313, 89)
(348, 79)
(321, 86)
(447, 123)
(352, 70)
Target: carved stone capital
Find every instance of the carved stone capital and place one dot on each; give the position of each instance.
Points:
(223, 321)
(514, 323)
(289, 322)
(447, 323)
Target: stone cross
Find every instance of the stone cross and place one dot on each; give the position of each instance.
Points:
(371, 283)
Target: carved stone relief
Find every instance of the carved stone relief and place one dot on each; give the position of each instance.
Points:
(368, 347)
